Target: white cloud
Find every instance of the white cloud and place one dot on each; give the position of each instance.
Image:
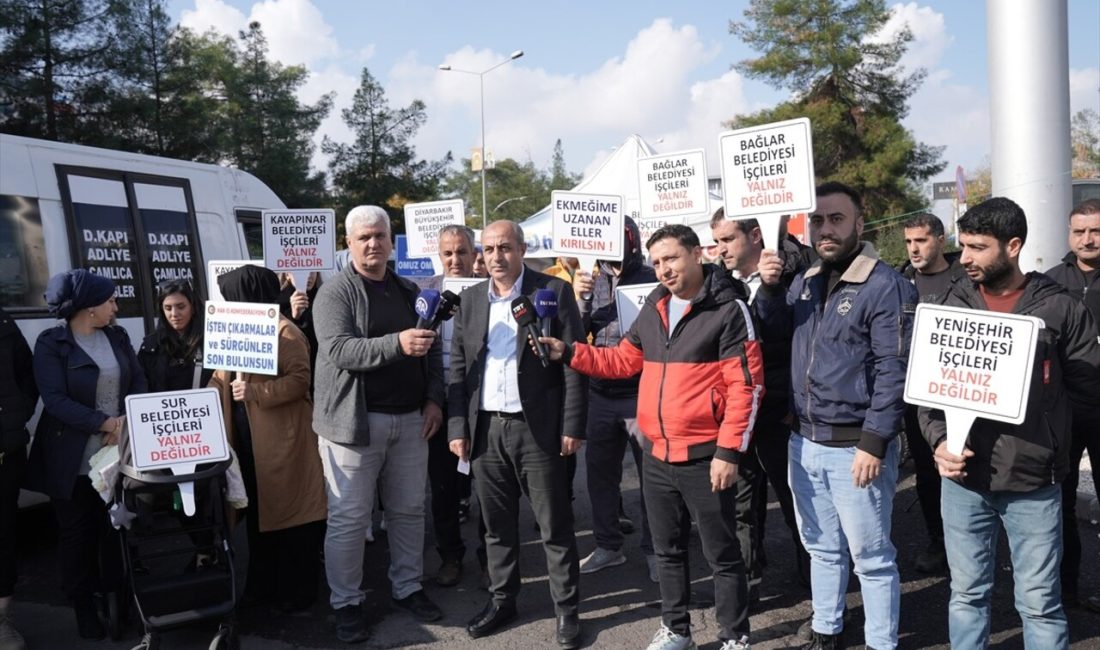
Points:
(1083, 85)
(647, 90)
(930, 37)
(296, 31)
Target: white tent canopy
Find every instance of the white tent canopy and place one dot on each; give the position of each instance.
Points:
(617, 175)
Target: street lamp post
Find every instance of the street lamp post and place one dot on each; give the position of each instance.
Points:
(481, 80)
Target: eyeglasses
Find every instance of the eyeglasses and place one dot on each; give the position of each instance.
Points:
(168, 287)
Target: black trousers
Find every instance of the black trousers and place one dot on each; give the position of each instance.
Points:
(751, 504)
(13, 461)
(444, 479)
(284, 566)
(509, 463)
(88, 546)
(928, 477)
(676, 493)
(608, 436)
(1086, 435)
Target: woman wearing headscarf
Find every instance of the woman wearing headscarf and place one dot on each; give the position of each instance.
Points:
(172, 355)
(84, 369)
(268, 419)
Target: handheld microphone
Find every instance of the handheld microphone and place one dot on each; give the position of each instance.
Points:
(524, 314)
(546, 306)
(427, 304)
(448, 307)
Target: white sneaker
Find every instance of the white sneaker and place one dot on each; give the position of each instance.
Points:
(651, 562)
(600, 559)
(666, 639)
(740, 644)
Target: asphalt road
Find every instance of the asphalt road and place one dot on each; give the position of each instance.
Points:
(619, 606)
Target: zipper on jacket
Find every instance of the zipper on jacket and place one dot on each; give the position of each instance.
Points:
(664, 371)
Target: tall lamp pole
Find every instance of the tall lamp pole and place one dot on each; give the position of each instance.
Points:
(481, 80)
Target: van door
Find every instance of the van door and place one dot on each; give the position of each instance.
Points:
(137, 229)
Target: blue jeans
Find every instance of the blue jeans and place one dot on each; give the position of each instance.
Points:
(838, 520)
(1033, 523)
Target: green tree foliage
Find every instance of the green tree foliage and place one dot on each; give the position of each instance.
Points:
(52, 67)
(1085, 140)
(845, 78)
(560, 177)
(269, 130)
(380, 166)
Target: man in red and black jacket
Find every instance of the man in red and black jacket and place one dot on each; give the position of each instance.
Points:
(700, 389)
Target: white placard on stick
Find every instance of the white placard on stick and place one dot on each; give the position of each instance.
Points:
(299, 242)
(424, 220)
(242, 337)
(768, 172)
(673, 185)
(218, 268)
(176, 430)
(587, 226)
(971, 363)
(446, 332)
(629, 301)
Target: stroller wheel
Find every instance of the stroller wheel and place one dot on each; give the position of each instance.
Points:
(148, 642)
(226, 639)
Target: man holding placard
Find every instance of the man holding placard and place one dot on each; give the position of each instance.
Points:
(612, 407)
(1009, 474)
(850, 316)
(1079, 273)
(739, 243)
(378, 397)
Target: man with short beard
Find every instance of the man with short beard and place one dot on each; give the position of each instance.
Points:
(1079, 273)
(1009, 474)
(850, 317)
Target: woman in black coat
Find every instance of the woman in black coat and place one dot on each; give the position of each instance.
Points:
(172, 355)
(84, 368)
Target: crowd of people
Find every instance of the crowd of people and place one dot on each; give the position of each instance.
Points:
(778, 367)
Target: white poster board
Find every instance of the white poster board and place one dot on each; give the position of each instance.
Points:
(176, 430)
(971, 363)
(768, 172)
(446, 332)
(423, 222)
(241, 337)
(629, 301)
(587, 226)
(673, 185)
(299, 242)
(218, 268)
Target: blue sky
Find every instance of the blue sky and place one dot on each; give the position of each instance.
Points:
(594, 73)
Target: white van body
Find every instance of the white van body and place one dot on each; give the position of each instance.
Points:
(136, 218)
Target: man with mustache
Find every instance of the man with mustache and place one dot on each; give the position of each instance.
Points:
(1079, 273)
(851, 318)
(1010, 474)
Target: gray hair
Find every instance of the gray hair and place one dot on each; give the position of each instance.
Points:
(366, 216)
(459, 229)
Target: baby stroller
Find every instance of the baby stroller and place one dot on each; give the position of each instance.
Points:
(179, 567)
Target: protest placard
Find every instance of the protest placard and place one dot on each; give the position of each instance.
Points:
(456, 285)
(217, 268)
(587, 226)
(629, 301)
(768, 172)
(299, 242)
(424, 220)
(971, 363)
(176, 430)
(673, 185)
(242, 337)
(417, 269)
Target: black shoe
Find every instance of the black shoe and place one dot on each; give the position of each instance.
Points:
(932, 559)
(419, 606)
(490, 619)
(569, 631)
(806, 630)
(825, 642)
(626, 526)
(351, 627)
(88, 625)
(1092, 603)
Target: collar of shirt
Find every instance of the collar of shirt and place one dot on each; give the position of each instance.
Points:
(512, 294)
(752, 281)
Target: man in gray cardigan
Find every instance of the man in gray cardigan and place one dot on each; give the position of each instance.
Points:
(378, 397)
